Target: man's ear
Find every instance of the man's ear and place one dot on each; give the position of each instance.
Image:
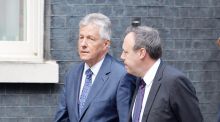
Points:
(107, 43)
(142, 53)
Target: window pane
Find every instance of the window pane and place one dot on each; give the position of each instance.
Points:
(12, 20)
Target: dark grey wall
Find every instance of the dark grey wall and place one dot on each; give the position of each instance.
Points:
(188, 29)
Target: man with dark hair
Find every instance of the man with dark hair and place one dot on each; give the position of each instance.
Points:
(163, 93)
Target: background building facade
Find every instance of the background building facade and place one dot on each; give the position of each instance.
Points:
(188, 28)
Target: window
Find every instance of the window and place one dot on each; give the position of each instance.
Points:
(21, 30)
(21, 43)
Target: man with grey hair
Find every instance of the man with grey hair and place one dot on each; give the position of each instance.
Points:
(98, 89)
(163, 94)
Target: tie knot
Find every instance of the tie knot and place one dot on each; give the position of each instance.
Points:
(89, 73)
(142, 83)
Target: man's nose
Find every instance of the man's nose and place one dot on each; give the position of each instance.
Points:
(83, 42)
(122, 56)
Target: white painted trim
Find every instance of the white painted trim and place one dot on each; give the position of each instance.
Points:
(22, 61)
(32, 48)
(20, 72)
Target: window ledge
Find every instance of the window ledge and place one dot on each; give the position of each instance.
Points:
(22, 72)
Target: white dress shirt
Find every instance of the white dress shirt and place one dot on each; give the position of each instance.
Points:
(94, 69)
(148, 79)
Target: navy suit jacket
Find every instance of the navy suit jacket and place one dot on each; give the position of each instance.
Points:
(172, 98)
(108, 100)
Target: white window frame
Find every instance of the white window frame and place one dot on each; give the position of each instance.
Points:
(32, 48)
(22, 61)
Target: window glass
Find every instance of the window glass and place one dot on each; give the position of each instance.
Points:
(12, 20)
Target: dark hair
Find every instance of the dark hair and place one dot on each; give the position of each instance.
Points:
(148, 38)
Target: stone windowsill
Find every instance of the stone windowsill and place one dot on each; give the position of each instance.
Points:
(21, 72)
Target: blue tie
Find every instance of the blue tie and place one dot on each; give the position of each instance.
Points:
(85, 90)
(139, 100)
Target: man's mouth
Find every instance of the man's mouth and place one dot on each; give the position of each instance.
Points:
(84, 51)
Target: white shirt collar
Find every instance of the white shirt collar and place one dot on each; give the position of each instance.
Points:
(148, 79)
(150, 74)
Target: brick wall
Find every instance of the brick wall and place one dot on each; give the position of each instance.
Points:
(188, 29)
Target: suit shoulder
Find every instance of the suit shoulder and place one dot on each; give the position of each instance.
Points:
(172, 76)
(117, 65)
(176, 79)
(116, 61)
(172, 72)
(74, 68)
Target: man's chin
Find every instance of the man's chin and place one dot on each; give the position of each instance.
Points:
(129, 71)
(83, 58)
(126, 68)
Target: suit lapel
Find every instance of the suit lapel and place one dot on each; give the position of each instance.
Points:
(153, 92)
(100, 79)
(76, 89)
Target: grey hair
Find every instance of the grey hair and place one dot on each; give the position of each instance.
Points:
(100, 20)
(148, 38)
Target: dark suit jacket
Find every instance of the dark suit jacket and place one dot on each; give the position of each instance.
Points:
(172, 98)
(109, 98)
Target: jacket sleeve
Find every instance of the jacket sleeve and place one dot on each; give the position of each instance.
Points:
(124, 96)
(62, 112)
(184, 102)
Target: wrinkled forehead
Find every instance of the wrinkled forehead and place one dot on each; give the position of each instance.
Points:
(89, 30)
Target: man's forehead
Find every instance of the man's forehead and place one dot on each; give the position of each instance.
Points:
(90, 29)
(90, 25)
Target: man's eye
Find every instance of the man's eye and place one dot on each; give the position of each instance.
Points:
(91, 39)
(125, 52)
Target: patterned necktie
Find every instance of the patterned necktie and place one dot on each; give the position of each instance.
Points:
(139, 100)
(85, 90)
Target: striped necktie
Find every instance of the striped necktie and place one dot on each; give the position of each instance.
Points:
(85, 90)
